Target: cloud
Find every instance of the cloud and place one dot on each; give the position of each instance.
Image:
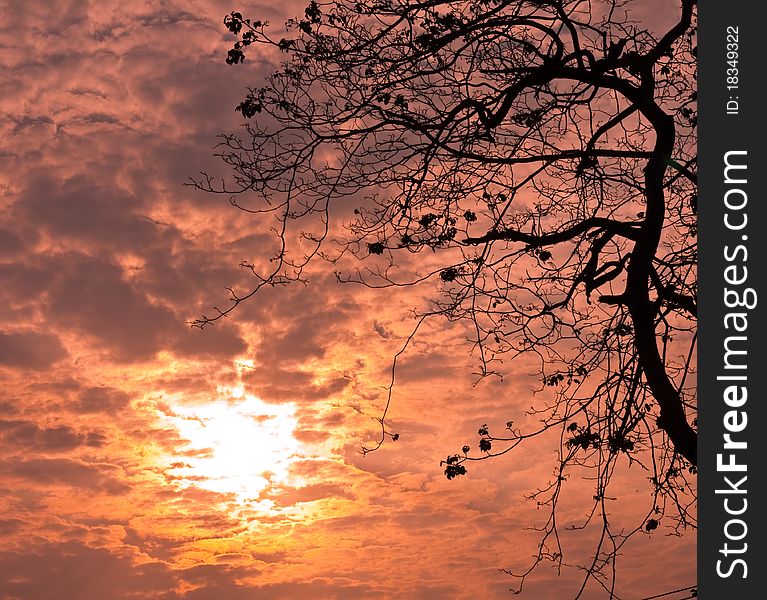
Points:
(9, 526)
(100, 399)
(30, 437)
(310, 436)
(96, 478)
(383, 331)
(299, 342)
(105, 256)
(219, 341)
(24, 285)
(278, 383)
(310, 493)
(10, 244)
(320, 589)
(30, 350)
(91, 212)
(93, 296)
(74, 570)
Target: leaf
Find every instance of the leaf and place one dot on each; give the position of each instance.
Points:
(249, 107)
(285, 45)
(313, 12)
(448, 274)
(452, 471)
(376, 248)
(426, 220)
(485, 445)
(233, 22)
(234, 56)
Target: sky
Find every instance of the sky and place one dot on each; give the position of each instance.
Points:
(142, 458)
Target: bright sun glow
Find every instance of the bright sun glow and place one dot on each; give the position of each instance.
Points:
(237, 445)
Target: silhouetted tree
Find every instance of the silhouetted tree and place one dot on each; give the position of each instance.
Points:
(544, 153)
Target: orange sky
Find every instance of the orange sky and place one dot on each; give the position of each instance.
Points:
(144, 459)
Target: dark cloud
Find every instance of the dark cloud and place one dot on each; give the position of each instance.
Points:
(100, 478)
(217, 341)
(94, 296)
(436, 364)
(30, 350)
(277, 384)
(216, 575)
(71, 570)
(299, 342)
(317, 589)
(190, 274)
(91, 212)
(23, 281)
(383, 331)
(10, 244)
(8, 409)
(9, 526)
(108, 252)
(100, 399)
(23, 287)
(28, 436)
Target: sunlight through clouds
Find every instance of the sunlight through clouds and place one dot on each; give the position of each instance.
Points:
(235, 445)
(141, 458)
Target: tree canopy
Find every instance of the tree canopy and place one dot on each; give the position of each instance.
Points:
(544, 153)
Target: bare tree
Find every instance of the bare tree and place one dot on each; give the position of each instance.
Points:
(544, 153)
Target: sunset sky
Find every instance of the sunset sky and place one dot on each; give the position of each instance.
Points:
(142, 458)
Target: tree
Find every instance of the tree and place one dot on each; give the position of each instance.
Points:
(544, 153)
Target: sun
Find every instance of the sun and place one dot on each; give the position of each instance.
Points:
(236, 445)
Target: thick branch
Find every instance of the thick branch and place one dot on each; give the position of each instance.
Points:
(628, 230)
(672, 417)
